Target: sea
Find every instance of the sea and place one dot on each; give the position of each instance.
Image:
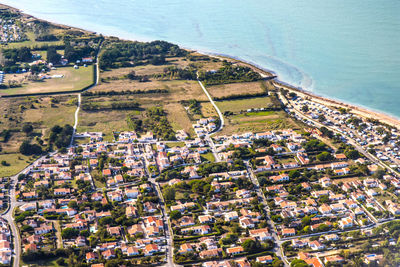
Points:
(347, 50)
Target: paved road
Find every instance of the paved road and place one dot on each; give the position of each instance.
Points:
(277, 245)
(8, 214)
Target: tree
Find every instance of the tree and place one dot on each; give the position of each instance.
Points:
(27, 149)
(52, 55)
(69, 233)
(304, 108)
(324, 156)
(169, 193)
(352, 154)
(251, 245)
(175, 214)
(27, 128)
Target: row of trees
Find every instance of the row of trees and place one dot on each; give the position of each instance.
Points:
(131, 105)
(134, 52)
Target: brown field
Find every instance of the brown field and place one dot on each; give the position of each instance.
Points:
(208, 110)
(225, 90)
(178, 117)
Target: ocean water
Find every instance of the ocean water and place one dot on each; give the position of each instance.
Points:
(343, 49)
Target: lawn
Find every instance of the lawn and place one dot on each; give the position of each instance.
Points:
(208, 157)
(177, 116)
(244, 104)
(225, 90)
(73, 79)
(16, 161)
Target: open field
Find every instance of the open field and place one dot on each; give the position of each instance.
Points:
(38, 111)
(177, 116)
(225, 90)
(74, 79)
(16, 161)
(243, 104)
(207, 109)
(103, 121)
(178, 89)
(270, 120)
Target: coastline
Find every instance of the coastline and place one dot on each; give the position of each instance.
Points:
(357, 109)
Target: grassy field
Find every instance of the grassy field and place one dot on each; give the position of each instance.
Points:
(258, 122)
(225, 90)
(208, 110)
(177, 116)
(243, 104)
(103, 121)
(16, 161)
(41, 113)
(49, 114)
(74, 79)
(208, 157)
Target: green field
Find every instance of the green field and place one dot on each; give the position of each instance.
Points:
(74, 79)
(243, 104)
(16, 161)
(258, 122)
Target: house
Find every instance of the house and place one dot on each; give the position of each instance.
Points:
(203, 219)
(264, 259)
(132, 251)
(230, 216)
(62, 191)
(210, 253)
(346, 222)
(316, 245)
(261, 234)
(288, 232)
(150, 249)
(185, 248)
(279, 178)
(234, 250)
(336, 259)
(108, 254)
(90, 256)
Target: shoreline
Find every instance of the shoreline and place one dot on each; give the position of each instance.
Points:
(357, 109)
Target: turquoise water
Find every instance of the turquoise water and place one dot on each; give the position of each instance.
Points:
(343, 49)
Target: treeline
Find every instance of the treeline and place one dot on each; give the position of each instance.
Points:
(14, 55)
(155, 121)
(46, 38)
(125, 92)
(74, 53)
(229, 73)
(175, 73)
(240, 96)
(131, 53)
(113, 106)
